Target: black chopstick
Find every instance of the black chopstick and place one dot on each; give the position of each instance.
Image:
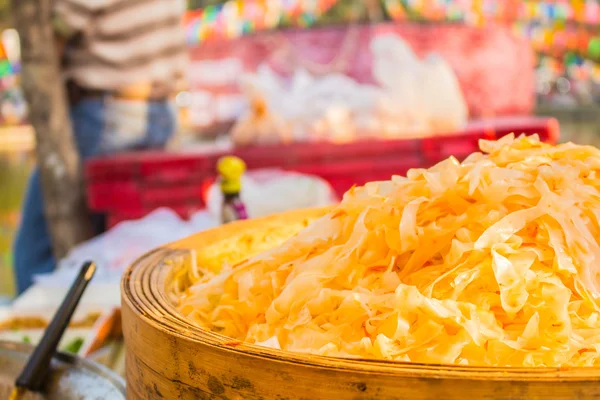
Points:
(33, 375)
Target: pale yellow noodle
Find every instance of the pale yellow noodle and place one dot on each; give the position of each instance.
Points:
(493, 261)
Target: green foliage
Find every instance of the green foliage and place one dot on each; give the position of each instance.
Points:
(74, 346)
(412, 14)
(194, 4)
(343, 11)
(4, 14)
(14, 170)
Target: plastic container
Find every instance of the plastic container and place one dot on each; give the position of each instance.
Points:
(130, 186)
(69, 377)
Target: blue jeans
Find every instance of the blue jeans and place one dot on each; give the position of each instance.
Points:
(95, 134)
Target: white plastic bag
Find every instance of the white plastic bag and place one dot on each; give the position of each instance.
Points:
(421, 97)
(116, 249)
(301, 109)
(264, 191)
(270, 191)
(447, 109)
(413, 98)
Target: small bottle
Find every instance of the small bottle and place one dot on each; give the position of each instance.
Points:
(231, 169)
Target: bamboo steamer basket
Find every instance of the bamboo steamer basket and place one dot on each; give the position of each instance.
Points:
(169, 358)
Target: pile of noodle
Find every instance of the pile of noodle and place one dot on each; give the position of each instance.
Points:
(493, 261)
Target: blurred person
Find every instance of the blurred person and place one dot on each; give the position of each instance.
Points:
(122, 60)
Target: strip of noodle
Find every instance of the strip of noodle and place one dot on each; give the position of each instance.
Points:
(493, 261)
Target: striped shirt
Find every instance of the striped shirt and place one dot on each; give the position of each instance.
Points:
(112, 44)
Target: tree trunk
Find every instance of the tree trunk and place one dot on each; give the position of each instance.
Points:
(58, 160)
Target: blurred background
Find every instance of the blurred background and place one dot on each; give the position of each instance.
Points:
(314, 96)
(316, 76)
(510, 58)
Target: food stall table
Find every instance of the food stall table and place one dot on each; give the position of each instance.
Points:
(129, 186)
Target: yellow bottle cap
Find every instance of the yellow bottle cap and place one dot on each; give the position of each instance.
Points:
(231, 169)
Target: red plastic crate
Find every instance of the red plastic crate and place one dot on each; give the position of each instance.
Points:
(129, 186)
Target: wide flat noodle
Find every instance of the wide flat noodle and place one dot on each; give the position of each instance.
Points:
(494, 261)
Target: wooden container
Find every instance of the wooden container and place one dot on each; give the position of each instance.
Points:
(169, 358)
